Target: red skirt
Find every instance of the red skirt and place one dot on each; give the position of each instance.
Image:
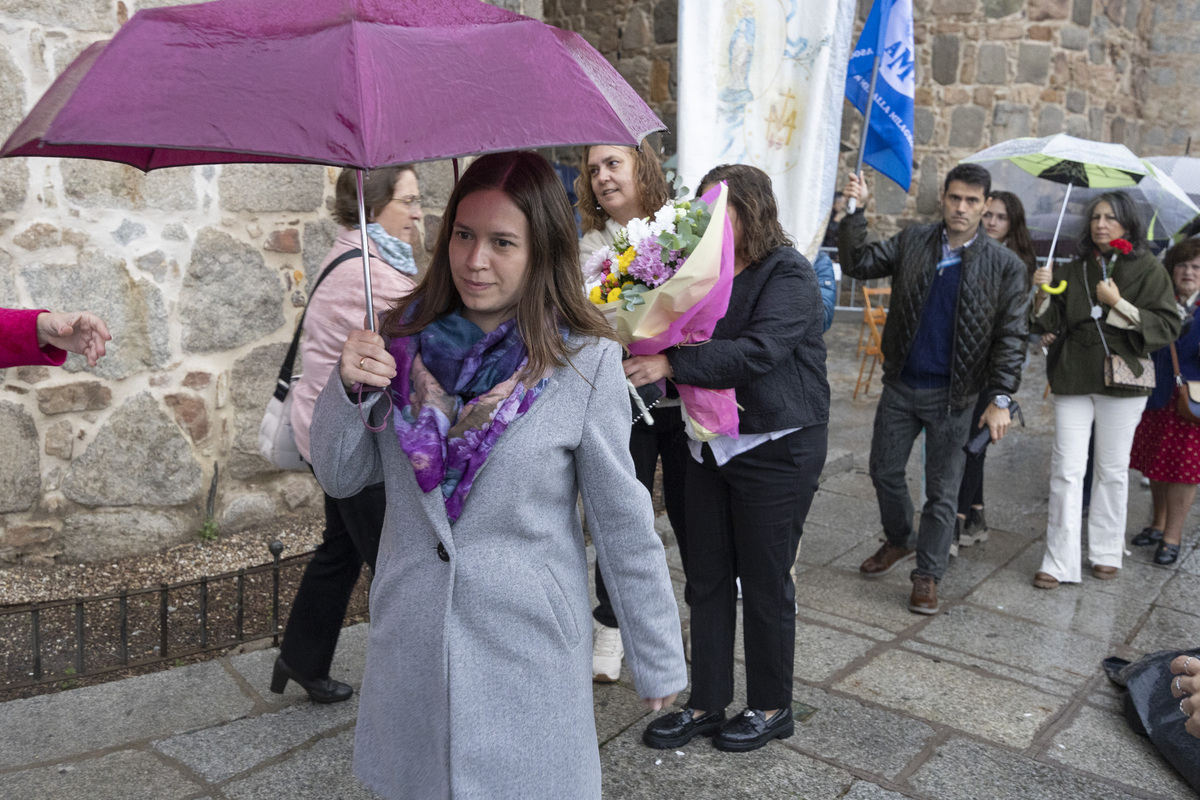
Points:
(1166, 447)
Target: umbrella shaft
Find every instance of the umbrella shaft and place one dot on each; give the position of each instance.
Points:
(1058, 227)
(362, 230)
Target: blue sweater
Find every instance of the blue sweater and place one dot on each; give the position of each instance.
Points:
(928, 364)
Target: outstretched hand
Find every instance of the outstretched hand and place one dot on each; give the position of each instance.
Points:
(366, 361)
(79, 332)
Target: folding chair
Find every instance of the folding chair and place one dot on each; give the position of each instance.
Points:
(878, 311)
(874, 317)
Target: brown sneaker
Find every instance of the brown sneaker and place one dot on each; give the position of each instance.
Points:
(924, 595)
(885, 560)
(1102, 573)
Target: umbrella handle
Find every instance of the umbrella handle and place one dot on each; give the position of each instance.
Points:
(1059, 289)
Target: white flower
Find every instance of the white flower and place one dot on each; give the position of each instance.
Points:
(664, 220)
(638, 229)
(595, 263)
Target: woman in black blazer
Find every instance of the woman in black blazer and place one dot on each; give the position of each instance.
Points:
(747, 498)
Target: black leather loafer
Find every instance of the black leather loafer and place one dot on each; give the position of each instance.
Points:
(1166, 553)
(751, 730)
(320, 690)
(1147, 536)
(679, 727)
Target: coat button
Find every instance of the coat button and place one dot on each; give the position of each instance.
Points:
(442, 554)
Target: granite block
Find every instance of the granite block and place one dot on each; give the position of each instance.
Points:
(123, 775)
(57, 726)
(618, 708)
(320, 772)
(841, 623)
(1101, 742)
(995, 709)
(879, 603)
(968, 770)
(1167, 629)
(221, 752)
(1048, 685)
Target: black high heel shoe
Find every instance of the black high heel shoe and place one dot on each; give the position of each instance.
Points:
(1166, 553)
(1147, 536)
(320, 690)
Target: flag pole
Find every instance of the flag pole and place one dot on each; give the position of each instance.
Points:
(852, 203)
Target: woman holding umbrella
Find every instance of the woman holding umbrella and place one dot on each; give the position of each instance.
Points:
(617, 185)
(510, 401)
(1118, 300)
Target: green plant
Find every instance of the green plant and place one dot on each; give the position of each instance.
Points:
(208, 531)
(70, 683)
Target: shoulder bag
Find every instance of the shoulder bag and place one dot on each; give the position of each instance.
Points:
(276, 439)
(1187, 399)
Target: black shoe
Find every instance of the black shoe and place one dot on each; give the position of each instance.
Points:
(1148, 536)
(679, 727)
(751, 730)
(320, 690)
(1166, 553)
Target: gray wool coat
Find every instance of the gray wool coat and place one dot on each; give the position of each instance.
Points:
(478, 679)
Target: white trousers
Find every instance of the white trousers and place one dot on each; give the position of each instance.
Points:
(1116, 421)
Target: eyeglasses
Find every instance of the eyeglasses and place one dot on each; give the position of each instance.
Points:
(411, 201)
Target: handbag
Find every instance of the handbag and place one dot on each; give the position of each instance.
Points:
(276, 437)
(1187, 399)
(1117, 371)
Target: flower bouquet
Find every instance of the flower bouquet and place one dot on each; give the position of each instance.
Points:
(666, 281)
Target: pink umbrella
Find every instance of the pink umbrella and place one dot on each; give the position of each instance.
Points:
(351, 83)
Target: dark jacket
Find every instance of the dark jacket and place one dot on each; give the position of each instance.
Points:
(1187, 348)
(991, 323)
(1075, 363)
(768, 347)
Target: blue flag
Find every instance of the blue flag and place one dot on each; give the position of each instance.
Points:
(889, 142)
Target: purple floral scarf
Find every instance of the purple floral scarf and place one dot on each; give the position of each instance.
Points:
(457, 391)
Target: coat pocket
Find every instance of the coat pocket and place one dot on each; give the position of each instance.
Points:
(560, 607)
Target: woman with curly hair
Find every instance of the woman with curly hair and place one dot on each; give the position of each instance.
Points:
(617, 185)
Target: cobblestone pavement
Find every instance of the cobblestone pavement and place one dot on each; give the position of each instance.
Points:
(999, 696)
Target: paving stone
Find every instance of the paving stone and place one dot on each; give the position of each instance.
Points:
(938, 653)
(1167, 629)
(618, 708)
(221, 752)
(631, 772)
(1107, 618)
(999, 549)
(822, 544)
(1181, 593)
(56, 726)
(869, 791)
(878, 603)
(853, 483)
(857, 736)
(1066, 657)
(954, 696)
(869, 631)
(321, 772)
(821, 651)
(967, 770)
(124, 775)
(1103, 743)
(849, 514)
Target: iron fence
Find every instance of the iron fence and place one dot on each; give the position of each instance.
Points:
(86, 636)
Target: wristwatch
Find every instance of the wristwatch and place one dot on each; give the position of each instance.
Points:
(1002, 401)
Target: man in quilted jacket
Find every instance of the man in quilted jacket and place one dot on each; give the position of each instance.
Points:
(957, 325)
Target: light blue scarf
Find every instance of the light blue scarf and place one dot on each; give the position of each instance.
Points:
(398, 254)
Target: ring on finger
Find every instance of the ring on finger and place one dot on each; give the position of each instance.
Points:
(361, 362)
(1187, 661)
(1181, 711)
(1178, 688)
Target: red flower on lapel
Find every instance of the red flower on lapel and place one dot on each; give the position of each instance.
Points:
(1122, 245)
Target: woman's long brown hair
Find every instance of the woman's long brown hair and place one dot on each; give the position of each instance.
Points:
(648, 178)
(753, 198)
(552, 294)
(1018, 239)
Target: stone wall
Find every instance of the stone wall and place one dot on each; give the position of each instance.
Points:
(201, 274)
(988, 70)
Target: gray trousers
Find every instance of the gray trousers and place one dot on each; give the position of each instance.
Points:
(901, 415)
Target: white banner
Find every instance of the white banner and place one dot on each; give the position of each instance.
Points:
(761, 82)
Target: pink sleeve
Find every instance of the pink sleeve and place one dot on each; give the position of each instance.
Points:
(18, 340)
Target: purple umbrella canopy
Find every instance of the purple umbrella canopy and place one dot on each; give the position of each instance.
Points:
(353, 83)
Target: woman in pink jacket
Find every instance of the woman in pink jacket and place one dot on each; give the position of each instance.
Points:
(352, 524)
(35, 337)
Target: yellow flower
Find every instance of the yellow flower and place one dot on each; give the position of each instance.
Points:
(596, 295)
(615, 294)
(614, 278)
(625, 259)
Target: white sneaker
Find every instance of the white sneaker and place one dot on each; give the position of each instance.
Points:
(607, 652)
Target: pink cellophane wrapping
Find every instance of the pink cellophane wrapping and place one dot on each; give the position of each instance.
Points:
(684, 311)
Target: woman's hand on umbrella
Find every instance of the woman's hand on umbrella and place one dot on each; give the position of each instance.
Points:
(658, 703)
(1108, 293)
(1042, 276)
(641, 370)
(1186, 685)
(366, 361)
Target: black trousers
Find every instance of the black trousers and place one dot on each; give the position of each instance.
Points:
(666, 439)
(745, 519)
(352, 529)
